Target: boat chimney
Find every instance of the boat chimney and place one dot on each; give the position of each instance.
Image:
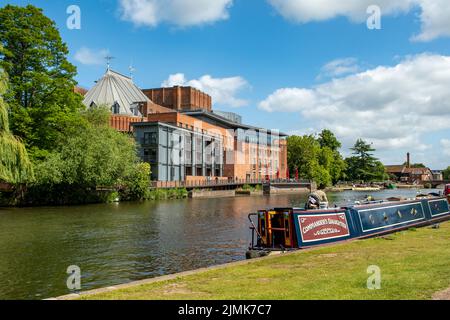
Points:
(408, 160)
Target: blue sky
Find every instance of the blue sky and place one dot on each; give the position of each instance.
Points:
(289, 65)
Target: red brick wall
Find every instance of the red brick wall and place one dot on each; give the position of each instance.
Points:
(123, 123)
(180, 98)
(150, 108)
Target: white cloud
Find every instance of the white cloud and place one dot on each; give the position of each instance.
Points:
(222, 90)
(339, 67)
(435, 14)
(435, 19)
(389, 106)
(445, 144)
(91, 57)
(304, 11)
(177, 12)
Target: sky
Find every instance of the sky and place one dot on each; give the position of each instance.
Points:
(297, 66)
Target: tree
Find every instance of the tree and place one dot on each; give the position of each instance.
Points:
(303, 155)
(89, 155)
(363, 165)
(15, 166)
(41, 95)
(330, 157)
(446, 174)
(328, 139)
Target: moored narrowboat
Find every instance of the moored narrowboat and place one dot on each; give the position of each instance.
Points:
(287, 229)
(447, 192)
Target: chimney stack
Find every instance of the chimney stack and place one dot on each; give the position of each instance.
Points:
(408, 160)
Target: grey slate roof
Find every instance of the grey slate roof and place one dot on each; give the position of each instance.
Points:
(115, 88)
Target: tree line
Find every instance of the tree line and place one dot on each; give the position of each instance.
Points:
(446, 174)
(319, 159)
(54, 150)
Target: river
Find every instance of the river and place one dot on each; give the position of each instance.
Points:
(119, 243)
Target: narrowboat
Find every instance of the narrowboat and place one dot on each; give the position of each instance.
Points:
(286, 229)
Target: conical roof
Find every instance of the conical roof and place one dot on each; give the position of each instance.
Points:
(115, 89)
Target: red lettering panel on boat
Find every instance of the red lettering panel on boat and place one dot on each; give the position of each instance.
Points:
(320, 227)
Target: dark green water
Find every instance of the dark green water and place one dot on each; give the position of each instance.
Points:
(118, 243)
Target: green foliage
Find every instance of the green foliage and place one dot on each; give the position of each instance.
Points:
(333, 163)
(136, 185)
(247, 187)
(41, 95)
(76, 156)
(320, 160)
(328, 139)
(88, 156)
(15, 166)
(446, 173)
(363, 166)
(303, 154)
(316, 159)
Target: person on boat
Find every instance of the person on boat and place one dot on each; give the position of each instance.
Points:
(317, 200)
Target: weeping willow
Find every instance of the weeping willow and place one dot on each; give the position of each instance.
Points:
(15, 166)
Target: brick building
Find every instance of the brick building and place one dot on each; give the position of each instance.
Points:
(180, 98)
(183, 138)
(408, 174)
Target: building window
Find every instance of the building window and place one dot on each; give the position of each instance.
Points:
(115, 108)
(150, 155)
(150, 138)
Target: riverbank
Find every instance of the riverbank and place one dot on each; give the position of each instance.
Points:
(414, 264)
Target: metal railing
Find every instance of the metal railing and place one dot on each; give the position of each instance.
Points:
(223, 183)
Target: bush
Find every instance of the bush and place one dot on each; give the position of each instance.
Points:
(136, 185)
(247, 187)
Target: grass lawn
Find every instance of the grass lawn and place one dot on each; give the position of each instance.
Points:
(414, 265)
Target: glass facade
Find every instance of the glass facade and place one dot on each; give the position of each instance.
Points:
(175, 153)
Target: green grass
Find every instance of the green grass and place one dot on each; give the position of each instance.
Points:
(414, 265)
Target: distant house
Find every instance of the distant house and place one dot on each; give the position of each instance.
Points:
(419, 174)
(438, 175)
(398, 173)
(407, 174)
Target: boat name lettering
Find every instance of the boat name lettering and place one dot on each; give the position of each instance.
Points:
(319, 223)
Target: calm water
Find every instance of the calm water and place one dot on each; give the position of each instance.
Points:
(118, 243)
